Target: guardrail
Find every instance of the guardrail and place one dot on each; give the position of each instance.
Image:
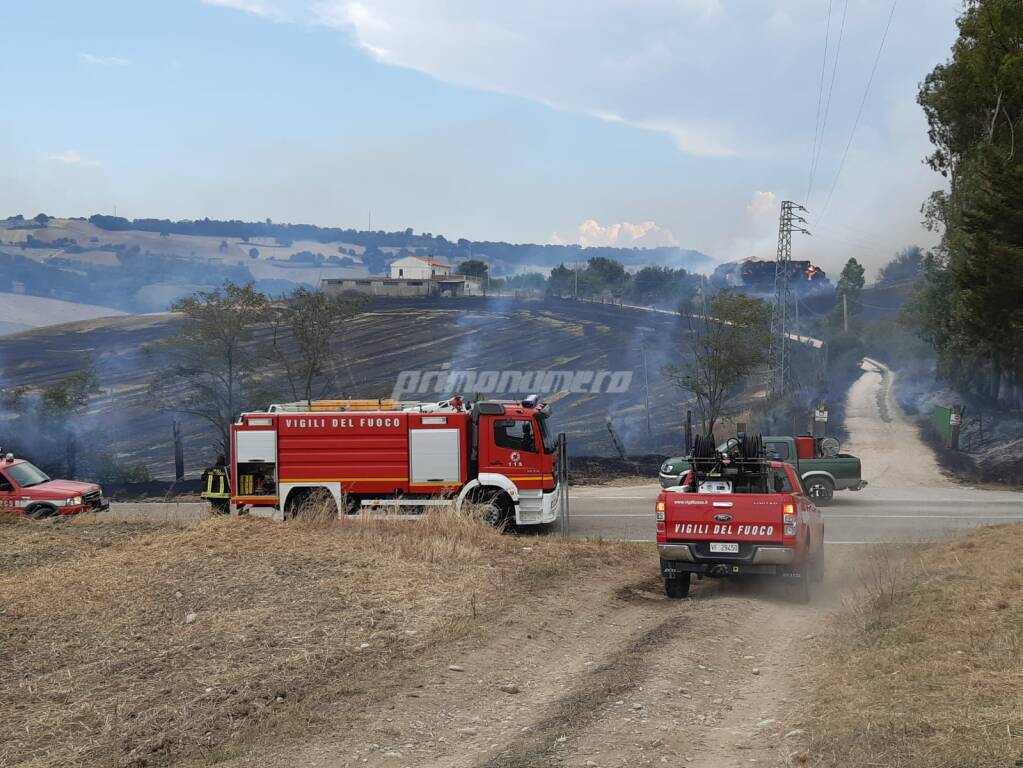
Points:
(809, 341)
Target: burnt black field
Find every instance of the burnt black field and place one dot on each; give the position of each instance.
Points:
(390, 337)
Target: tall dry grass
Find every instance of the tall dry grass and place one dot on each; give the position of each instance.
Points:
(924, 667)
(156, 643)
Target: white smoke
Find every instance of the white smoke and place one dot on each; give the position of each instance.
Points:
(645, 234)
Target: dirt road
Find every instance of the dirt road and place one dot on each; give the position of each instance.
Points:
(607, 672)
(889, 447)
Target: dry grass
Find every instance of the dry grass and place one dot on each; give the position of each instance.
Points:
(924, 668)
(150, 644)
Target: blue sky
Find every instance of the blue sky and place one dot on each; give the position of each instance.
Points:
(603, 122)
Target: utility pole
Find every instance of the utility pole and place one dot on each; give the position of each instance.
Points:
(646, 389)
(845, 314)
(789, 222)
(179, 452)
(577, 280)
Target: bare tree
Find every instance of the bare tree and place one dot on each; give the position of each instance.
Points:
(307, 340)
(728, 345)
(211, 374)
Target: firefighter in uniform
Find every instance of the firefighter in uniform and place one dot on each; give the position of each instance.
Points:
(216, 488)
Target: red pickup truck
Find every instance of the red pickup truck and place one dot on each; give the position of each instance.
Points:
(26, 489)
(739, 517)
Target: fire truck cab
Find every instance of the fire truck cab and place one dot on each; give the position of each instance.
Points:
(410, 456)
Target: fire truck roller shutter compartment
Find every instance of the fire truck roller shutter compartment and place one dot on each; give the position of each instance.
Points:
(435, 456)
(256, 452)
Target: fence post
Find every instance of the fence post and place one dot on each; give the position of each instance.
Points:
(955, 422)
(566, 526)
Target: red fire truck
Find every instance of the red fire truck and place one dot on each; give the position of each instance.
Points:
(375, 453)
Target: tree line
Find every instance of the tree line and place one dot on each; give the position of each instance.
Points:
(374, 241)
(600, 276)
(969, 303)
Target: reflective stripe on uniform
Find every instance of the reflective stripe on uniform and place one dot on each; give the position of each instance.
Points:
(216, 485)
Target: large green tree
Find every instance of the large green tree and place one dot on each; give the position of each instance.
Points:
(968, 305)
(906, 267)
(848, 291)
(474, 268)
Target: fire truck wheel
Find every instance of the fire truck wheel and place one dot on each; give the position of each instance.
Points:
(821, 490)
(678, 587)
(316, 502)
(495, 509)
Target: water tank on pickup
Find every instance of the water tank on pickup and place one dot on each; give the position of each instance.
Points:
(806, 447)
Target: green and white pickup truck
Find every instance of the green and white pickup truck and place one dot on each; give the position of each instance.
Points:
(817, 461)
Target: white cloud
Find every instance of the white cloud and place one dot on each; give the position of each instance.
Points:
(719, 79)
(72, 157)
(103, 61)
(653, 64)
(761, 204)
(264, 8)
(646, 234)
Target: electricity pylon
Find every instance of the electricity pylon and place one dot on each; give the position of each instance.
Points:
(779, 378)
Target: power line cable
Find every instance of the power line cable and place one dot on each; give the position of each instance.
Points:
(874, 240)
(897, 283)
(808, 311)
(874, 248)
(831, 90)
(859, 112)
(859, 229)
(874, 306)
(864, 243)
(820, 97)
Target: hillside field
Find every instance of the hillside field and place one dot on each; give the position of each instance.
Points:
(19, 312)
(389, 338)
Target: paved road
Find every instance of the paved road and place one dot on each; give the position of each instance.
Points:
(873, 514)
(908, 498)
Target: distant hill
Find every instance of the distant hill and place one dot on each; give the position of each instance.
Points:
(143, 265)
(505, 258)
(19, 312)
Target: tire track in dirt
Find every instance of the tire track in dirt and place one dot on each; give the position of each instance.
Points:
(721, 694)
(607, 673)
(616, 676)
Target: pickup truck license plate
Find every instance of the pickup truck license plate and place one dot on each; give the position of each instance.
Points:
(724, 547)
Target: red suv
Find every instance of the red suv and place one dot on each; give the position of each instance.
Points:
(26, 489)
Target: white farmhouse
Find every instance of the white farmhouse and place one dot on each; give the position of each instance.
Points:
(419, 268)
